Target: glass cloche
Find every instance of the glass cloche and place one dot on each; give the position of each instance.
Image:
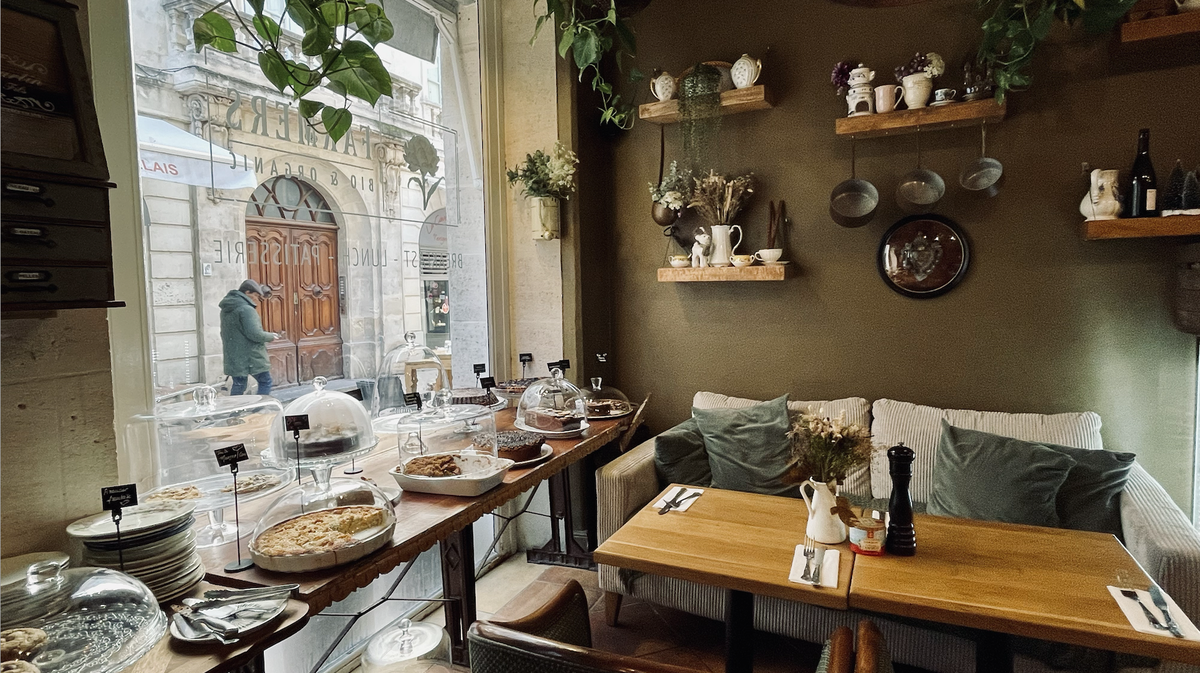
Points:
(95, 620)
(456, 428)
(339, 430)
(181, 438)
(604, 401)
(552, 406)
(410, 368)
(408, 648)
(306, 529)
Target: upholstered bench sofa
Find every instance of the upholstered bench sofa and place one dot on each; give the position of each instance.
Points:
(1156, 531)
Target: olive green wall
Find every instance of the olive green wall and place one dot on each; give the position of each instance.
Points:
(1043, 322)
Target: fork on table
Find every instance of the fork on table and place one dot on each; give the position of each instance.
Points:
(810, 550)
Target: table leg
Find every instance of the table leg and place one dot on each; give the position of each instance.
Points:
(739, 632)
(562, 550)
(992, 653)
(458, 585)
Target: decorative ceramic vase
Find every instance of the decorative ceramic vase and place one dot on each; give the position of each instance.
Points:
(663, 216)
(722, 247)
(543, 217)
(861, 100)
(823, 525)
(917, 88)
(664, 86)
(745, 71)
(1102, 202)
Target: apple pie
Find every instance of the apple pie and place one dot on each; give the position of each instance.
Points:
(317, 532)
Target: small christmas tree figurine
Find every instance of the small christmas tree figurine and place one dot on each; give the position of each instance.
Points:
(1191, 194)
(1171, 199)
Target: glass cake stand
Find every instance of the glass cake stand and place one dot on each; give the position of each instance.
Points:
(214, 493)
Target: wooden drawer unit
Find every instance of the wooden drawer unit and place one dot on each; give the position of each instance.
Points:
(48, 243)
(48, 285)
(45, 199)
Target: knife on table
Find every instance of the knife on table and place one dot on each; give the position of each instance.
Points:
(1156, 595)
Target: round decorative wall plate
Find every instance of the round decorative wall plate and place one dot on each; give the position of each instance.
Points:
(923, 256)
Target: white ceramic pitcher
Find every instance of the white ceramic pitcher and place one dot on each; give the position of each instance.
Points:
(823, 525)
(722, 247)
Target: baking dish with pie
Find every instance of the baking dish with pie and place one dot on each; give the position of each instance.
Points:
(463, 473)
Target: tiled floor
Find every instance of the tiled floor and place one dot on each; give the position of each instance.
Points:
(645, 630)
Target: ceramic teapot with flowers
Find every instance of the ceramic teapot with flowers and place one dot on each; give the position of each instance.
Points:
(824, 451)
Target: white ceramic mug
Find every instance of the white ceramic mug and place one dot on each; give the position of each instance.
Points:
(769, 255)
(887, 97)
(917, 88)
(944, 95)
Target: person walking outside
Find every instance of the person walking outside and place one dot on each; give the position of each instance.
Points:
(243, 339)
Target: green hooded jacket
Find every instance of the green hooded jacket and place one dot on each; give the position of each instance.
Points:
(242, 336)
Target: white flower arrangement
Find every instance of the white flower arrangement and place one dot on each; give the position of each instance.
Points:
(935, 65)
(675, 190)
(547, 175)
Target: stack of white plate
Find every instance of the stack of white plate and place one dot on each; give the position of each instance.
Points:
(157, 546)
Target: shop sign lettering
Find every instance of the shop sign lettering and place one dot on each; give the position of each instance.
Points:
(276, 253)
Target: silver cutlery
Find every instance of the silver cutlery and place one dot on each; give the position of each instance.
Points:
(810, 550)
(192, 631)
(255, 593)
(674, 501)
(1156, 595)
(818, 561)
(680, 502)
(1133, 595)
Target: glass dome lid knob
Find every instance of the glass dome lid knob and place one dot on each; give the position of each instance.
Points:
(596, 381)
(205, 397)
(43, 575)
(320, 382)
(410, 338)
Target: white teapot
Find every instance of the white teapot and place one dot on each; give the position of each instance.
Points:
(745, 71)
(664, 86)
(861, 75)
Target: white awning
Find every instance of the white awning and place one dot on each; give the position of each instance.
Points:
(169, 153)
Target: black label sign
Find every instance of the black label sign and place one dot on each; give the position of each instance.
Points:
(231, 454)
(525, 357)
(412, 400)
(296, 423)
(488, 382)
(563, 365)
(116, 497)
(479, 369)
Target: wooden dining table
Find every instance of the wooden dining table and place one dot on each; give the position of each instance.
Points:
(995, 578)
(422, 520)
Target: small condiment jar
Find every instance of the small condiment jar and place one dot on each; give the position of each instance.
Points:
(867, 536)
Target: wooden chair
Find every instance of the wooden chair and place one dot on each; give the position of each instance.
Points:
(638, 418)
(555, 638)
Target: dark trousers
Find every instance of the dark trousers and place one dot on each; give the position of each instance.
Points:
(264, 384)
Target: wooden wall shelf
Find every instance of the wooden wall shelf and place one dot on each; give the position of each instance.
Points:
(732, 102)
(1142, 227)
(1173, 26)
(724, 273)
(900, 122)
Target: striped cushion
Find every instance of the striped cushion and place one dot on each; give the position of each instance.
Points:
(857, 410)
(919, 427)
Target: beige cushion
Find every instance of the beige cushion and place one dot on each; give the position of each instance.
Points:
(920, 428)
(856, 409)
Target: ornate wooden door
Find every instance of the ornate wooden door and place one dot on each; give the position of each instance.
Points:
(291, 247)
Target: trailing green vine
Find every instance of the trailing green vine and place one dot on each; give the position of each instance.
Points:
(591, 29)
(343, 33)
(1014, 28)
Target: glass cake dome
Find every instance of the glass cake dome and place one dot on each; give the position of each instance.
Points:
(458, 428)
(408, 648)
(339, 430)
(344, 521)
(409, 368)
(552, 406)
(96, 620)
(604, 401)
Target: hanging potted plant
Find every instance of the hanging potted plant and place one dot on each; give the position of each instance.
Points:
(670, 195)
(547, 179)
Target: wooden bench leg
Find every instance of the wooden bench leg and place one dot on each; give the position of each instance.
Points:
(612, 607)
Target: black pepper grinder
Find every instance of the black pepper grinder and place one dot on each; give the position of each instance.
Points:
(901, 536)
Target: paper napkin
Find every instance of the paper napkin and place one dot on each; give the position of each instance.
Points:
(829, 567)
(670, 495)
(1137, 619)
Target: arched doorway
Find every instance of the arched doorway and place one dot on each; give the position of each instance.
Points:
(291, 247)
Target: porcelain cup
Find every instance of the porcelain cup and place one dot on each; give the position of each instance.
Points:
(680, 263)
(887, 97)
(944, 95)
(769, 255)
(741, 260)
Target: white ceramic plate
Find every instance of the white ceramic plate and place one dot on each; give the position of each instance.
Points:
(620, 414)
(155, 550)
(553, 435)
(545, 453)
(137, 519)
(184, 585)
(244, 625)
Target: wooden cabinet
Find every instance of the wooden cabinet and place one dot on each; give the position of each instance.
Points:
(55, 245)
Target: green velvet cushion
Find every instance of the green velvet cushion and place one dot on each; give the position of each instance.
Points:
(1090, 499)
(679, 455)
(977, 475)
(748, 448)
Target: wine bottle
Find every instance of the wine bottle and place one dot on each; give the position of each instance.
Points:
(1143, 188)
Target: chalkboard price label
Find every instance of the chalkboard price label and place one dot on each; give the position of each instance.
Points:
(231, 454)
(525, 357)
(296, 423)
(488, 382)
(412, 400)
(117, 497)
(480, 368)
(564, 364)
